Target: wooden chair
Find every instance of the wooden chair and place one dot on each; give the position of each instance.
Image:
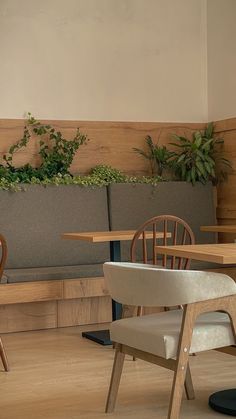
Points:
(167, 338)
(3, 246)
(181, 233)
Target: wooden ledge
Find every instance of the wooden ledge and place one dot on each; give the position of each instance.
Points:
(27, 292)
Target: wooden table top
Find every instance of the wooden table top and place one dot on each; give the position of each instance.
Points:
(220, 228)
(107, 236)
(222, 253)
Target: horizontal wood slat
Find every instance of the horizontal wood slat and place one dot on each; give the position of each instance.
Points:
(81, 288)
(30, 291)
(26, 292)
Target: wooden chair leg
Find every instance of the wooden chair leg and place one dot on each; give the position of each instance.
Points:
(189, 390)
(115, 379)
(4, 356)
(140, 311)
(177, 390)
(139, 314)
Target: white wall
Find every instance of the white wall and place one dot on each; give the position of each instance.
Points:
(221, 46)
(142, 60)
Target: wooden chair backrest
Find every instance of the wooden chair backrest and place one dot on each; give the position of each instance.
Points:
(3, 255)
(181, 233)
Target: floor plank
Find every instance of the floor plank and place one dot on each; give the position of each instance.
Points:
(56, 374)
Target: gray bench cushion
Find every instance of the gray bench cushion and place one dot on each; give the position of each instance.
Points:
(131, 205)
(33, 221)
(55, 272)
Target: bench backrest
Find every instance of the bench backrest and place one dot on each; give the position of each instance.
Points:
(33, 221)
(131, 205)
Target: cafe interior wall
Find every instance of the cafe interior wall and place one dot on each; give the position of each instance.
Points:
(106, 60)
(84, 60)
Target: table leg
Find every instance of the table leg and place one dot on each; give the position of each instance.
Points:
(103, 336)
(115, 256)
(224, 402)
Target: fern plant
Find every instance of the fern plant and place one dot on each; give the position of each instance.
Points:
(200, 158)
(159, 156)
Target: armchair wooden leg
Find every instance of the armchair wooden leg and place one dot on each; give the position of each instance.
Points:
(177, 390)
(4, 356)
(189, 385)
(115, 379)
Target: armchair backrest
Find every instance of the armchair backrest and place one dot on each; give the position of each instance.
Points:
(138, 285)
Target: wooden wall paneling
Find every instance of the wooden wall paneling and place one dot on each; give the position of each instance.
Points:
(84, 311)
(226, 210)
(110, 142)
(28, 316)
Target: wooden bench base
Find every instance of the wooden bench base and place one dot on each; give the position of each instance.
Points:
(50, 304)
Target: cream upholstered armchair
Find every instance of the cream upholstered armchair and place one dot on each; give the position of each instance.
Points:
(168, 338)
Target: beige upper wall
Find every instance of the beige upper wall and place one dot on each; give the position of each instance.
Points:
(141, 60)
(221, 46)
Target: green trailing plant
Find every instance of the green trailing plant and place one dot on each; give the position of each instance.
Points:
(56, 152)
(100, 176)
(108, 175)
(200, 158)
(159, 156)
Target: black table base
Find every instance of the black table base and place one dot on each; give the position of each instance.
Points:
(224, 402)
(103, 336)
(99, 336)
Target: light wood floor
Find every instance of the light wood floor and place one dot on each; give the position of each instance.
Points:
(56, 374)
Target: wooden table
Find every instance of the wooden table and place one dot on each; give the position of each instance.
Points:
(109, 236)
(219, 228)
(219, 253)
(114, 238)
(222, 253)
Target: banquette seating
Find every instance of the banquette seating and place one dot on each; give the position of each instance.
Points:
(41, 267)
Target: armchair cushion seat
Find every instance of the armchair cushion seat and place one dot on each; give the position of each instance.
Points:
(158, 334)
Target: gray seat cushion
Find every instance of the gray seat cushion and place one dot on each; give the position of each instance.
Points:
(53, 273)
(158, 334)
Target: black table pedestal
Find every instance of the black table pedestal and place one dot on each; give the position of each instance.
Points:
(224, 402)
(103, 336)
(99, 336)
